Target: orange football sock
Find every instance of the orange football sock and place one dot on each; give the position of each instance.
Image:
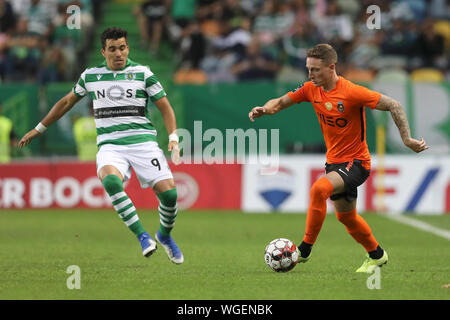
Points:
(358, 228)
(321, 190)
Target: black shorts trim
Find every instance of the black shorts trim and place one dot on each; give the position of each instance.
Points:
(353, 174)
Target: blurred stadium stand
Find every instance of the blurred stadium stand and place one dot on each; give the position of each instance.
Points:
(183, 35)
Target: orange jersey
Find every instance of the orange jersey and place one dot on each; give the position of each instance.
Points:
(342, 118)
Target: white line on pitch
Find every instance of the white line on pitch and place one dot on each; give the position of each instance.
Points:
(419, 225)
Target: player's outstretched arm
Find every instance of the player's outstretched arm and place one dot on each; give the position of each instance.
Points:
(401, 121)
(271, 107)
(59, 109)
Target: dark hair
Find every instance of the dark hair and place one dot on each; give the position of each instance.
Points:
(323, 51)
(113, 33)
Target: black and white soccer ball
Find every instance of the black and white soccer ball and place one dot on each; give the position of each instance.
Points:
(281, 255)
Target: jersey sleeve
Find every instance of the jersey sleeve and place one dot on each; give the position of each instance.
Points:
(80, 87)
(300, 94)
(153, 87)
(365, 96)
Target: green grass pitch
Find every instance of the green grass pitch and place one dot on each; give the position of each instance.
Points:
(224, 258)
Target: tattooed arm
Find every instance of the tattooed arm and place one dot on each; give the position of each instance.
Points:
(399, 116)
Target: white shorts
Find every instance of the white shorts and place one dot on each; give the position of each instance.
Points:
(146, 159)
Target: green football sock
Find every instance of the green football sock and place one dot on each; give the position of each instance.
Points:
(167, 210)
(123, 205)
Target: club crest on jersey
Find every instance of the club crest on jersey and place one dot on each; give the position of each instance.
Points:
(329, 106)
(298, 88)
(130, 76)
(340, 106)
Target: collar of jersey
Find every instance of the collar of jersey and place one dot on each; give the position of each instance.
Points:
(129, 62)
(338, 83)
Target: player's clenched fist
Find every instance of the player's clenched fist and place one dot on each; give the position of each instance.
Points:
(416, 145)
(256, 112)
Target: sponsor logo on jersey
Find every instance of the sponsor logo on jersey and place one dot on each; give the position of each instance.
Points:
(332, 121)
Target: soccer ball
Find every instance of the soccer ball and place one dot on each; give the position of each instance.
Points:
(281, 255)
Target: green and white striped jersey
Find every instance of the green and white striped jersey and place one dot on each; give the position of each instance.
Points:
(120, 102)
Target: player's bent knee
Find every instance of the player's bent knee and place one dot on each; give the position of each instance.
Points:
(107, 170)
(321, 189)
(164, 185)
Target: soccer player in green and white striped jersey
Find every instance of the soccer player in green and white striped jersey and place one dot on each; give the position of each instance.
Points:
(126, 138)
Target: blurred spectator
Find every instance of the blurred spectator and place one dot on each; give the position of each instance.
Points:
(439, 9)
(415, 10)
(232, 11)
(255, 64)
(226, 48)
(350, 7)
(302, 12)
(4, 39)
(397, 40)
(301, 38)
(208, 9)
(294, 45)
(251, 7)
(217, 66)
(336, 28)
(318, 9)
(231, 39)
(21, 7)
(22, 59)
(7, 17)
(8, 138)
(151, 18)
(182, 13)
(7, 26)
(66, 44)
(192, 47)
(430, 47)
(53, 66)
(273, 22)
(39, 17)
(85, 135)
(366, 45)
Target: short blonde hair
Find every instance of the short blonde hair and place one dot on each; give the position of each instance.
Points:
(323, 51)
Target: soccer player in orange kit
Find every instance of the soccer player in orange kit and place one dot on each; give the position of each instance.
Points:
(339, 105)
